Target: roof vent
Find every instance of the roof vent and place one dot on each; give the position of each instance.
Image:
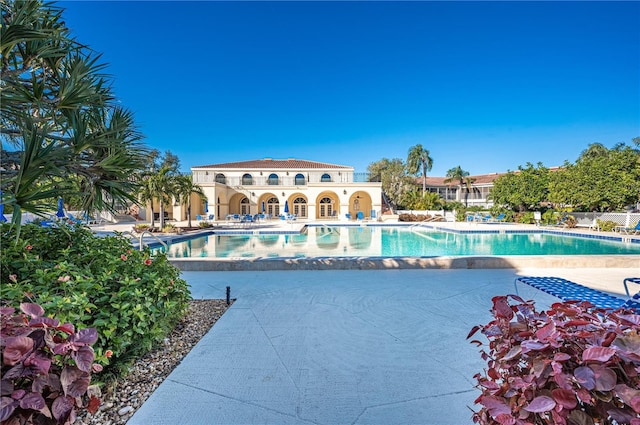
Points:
(268, 159)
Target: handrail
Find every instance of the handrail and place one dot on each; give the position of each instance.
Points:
(155, 237)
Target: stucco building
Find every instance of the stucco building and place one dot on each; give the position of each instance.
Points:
(309, 189)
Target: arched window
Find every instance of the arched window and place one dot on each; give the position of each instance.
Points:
(221, 178)
(326, 178)
(326, 208)
(300, 180)
(247, 180)
(300, 207)
(273, 206)
(273, 179)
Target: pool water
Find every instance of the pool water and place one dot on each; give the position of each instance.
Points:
(395, 241)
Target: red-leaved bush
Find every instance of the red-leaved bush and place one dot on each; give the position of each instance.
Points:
(46, 368)
(574, 364)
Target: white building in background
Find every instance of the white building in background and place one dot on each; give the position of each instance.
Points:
(310, 190)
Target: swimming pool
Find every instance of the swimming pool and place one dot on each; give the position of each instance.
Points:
(392, 241)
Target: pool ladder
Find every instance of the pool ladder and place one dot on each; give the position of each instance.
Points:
(141, 243)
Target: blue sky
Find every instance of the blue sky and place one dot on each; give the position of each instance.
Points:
(488, 86)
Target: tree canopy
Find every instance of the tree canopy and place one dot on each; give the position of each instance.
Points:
(522, 190)
(392, 173)
(601, 179)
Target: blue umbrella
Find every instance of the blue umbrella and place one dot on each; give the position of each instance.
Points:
(286, 206)
(3, 219)
(263, 207)
(60, 212)
(206, 207)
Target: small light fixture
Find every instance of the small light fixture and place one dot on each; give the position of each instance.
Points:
(344, 191)
(253, 194)
(282, 193)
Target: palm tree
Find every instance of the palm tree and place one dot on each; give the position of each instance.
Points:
(146, 196)
(58, 114)
(418, 162)
(462, 177)
(162, 186)
(185, 187)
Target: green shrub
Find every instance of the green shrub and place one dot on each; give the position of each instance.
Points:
(525, 218)
(549, 217)
(132, 299)
(607, 225)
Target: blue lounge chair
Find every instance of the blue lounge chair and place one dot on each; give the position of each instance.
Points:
(567, 290)
(631, 280)
(72, 219)
(498, 218)
(360, 215)
(198, 217)
(628, 230)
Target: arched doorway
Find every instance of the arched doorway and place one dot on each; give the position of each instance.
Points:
(272, 206)
(245, 206)
(328, 206)
(299, 206)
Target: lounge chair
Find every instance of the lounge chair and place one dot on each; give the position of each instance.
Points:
(567, 290)
(628, 230)
(72, 219)
(631, 280)
(360, 215)
(499, 218)
(198, 217)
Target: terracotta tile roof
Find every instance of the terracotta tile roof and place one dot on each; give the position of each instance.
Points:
(477, 180)
(271, 164)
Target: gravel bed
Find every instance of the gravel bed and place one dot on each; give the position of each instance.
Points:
(148, 372)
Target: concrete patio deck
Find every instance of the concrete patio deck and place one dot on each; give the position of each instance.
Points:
(342, 346)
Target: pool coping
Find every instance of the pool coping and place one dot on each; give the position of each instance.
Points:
(380, 263)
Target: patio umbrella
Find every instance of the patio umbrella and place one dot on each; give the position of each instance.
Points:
(3, 219)
(60, 212)
(263, 207)
(286, 206)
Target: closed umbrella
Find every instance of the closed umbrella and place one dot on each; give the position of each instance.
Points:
(286, 206)
(60, 212)
(263, 207)
(3, 219)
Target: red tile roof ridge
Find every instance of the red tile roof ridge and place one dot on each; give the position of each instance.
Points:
(289, 163)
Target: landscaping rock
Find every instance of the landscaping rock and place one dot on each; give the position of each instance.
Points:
(148, 372)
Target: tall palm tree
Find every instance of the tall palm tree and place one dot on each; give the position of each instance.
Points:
(460, 176)
(162, 186)
(419, 162)
(185, 187)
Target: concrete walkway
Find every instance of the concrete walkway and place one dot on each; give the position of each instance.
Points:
(341, 347)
